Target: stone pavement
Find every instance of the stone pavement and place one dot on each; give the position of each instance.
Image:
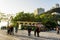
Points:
(4, 36)
(22, 35)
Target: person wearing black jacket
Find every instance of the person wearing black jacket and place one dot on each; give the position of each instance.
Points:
(29, 30)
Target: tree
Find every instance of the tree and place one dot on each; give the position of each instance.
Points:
(48, 20)
(21, 16)
(37, 18)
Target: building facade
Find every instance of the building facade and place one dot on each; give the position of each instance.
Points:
(56, 6)
(38, 11)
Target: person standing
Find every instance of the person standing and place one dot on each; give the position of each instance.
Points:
(37, 31)
(57, 30)
(16, 28)
(8, 30)
(12, 30)
(29, 30)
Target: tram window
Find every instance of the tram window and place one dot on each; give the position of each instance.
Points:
(21, 23)
(29, 23)
(25, 23)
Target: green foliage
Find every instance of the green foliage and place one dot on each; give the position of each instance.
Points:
(48, 20)
(50, 24)
(21, 16)
(37, 18)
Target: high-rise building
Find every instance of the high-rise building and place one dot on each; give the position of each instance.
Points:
(56, 6)
(38, 11)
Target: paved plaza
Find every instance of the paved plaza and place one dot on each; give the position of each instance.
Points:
(23, 35)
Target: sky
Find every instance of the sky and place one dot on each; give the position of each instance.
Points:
(15, 6)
